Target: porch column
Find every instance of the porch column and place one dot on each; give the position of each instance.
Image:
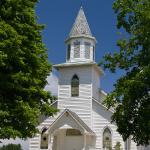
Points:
(50, 142)
(84, 148)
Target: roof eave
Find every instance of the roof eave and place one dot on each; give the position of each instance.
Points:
(81, 36)
(109, 110)
(57, 66)
(67, 110)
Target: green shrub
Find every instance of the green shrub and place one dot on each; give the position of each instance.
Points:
(11, 147)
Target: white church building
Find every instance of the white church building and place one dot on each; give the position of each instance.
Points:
(82, 123)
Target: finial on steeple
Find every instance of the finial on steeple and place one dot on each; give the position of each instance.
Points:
(81, 4)
(80, 27)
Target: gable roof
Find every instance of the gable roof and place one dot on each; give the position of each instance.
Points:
(88, 129)
(76, 118)
(100, 104)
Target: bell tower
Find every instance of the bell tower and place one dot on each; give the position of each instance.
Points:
(80, 43)
(79, 78)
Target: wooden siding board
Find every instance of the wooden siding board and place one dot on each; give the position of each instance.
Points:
(99, 123)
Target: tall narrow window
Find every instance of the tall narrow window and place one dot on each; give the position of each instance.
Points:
(68, 52)
(44, 140)
(93, 52)
(107, 139)
(75, 86)
(87, 50)
(77, 49)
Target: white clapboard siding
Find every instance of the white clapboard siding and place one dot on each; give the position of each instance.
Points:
(84, 73)
(102, 96)
(95, 84)
(101, 120)
(35, 141)
(134, 146)
(80, 105)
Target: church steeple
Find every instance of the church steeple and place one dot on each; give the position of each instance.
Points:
(80, 27)
(81, 43)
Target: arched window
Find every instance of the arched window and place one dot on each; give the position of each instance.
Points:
(75, 86)
(44, 139)
(107, 139)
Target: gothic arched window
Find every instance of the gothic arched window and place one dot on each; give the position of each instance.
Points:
(77, 49)
(44, 139)
(107, 139)
(75, 86)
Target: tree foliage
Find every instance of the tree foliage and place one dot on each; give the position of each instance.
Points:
(132, 91)
(23, 70)
(11, 147)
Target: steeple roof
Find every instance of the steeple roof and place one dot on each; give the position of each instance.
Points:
(80, 27)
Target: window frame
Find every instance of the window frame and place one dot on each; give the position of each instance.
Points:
(94, 53)
(44, 138)
(76, 43)
(87, 52)
(110, 138)
(68, 52)
(75, 77)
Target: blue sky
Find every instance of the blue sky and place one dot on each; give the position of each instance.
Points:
(59, 16)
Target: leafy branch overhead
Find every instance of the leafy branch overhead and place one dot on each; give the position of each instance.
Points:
(23, 70)
(132, 91)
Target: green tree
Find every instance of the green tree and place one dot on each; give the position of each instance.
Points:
(131, 96)
(23, 70)
(11, 147)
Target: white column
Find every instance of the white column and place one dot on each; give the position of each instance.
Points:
(50, 143)
(72, 53)
(84, 148)
(82, 50)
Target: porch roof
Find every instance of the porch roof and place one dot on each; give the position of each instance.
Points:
(76, 118)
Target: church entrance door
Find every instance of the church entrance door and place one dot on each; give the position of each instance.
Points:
(74, 143)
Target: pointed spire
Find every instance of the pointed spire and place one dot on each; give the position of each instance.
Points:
(80, 27)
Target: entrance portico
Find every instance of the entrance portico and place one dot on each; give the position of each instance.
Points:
(64, 141)
(67, 133)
